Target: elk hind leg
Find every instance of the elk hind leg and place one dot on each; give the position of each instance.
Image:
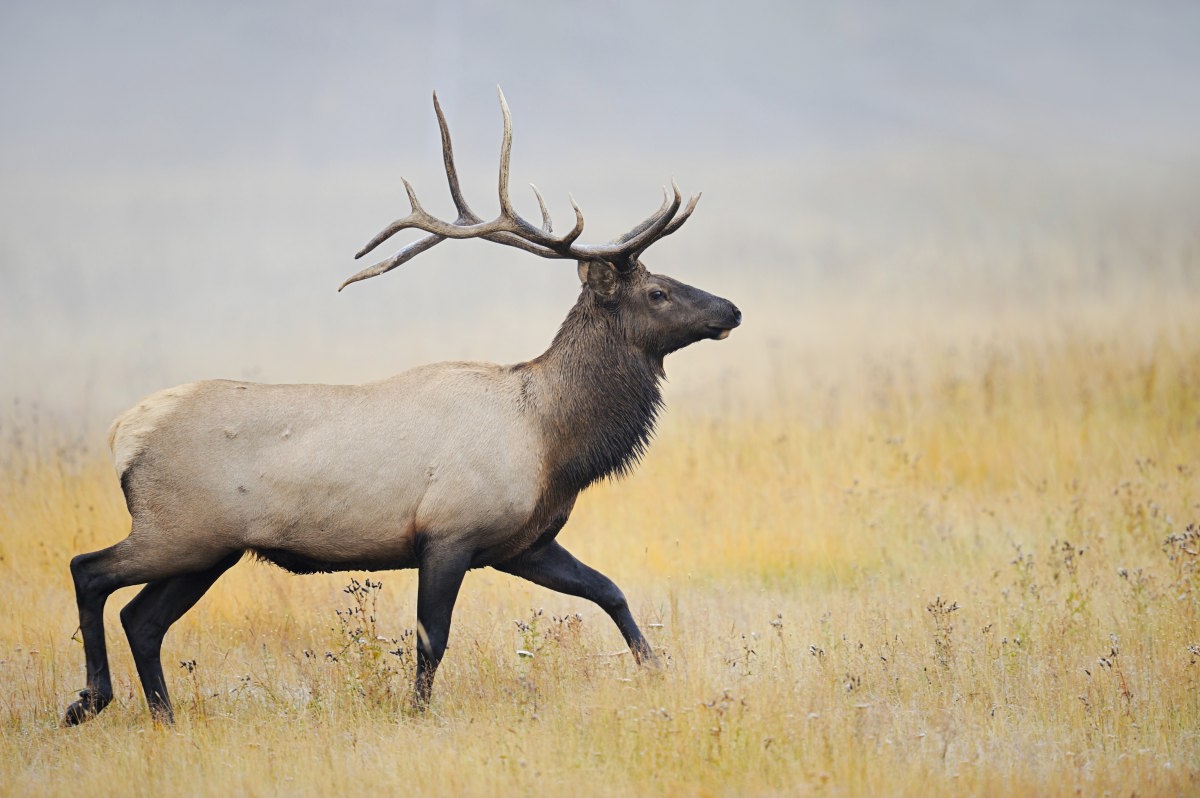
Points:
(148, 617)
(96, 575)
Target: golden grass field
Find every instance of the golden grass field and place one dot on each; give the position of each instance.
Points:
(959, 570)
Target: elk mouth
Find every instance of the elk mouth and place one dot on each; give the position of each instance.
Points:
(718, 332)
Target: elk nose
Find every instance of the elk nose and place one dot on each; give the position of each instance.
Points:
(737, 314)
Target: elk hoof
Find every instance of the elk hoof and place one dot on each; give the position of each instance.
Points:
(646, 657)
(162, 715)
(86, 708)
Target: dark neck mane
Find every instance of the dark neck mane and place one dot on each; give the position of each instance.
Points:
(602, 398)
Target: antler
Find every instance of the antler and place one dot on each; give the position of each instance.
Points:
(510, 228)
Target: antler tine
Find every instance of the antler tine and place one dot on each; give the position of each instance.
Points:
(465, 214)
(652, 233)
(403, 256)
(650, 220)
(383, 235)
(412, 220)
(569, 239)
(642, 236)
(524, 228)
(677, 222)
(506, 208)
(642, 240)
(547, 225)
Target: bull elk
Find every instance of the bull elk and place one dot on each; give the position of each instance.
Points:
(443, 468)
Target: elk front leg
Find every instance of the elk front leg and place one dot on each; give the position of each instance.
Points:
(552, 566)
(438, 581)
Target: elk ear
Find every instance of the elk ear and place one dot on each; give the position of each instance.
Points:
(600, 276)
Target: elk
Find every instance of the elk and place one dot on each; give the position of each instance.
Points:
(443, 468)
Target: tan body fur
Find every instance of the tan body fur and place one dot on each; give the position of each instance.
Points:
(340, 475)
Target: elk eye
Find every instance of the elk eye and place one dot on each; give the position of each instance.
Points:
(657, 296)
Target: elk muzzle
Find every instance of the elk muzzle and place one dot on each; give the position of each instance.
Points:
(733, 318)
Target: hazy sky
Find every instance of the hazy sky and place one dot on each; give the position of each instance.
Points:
(182, 184)
(128, 85)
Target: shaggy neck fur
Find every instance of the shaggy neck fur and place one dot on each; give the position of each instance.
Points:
(602, 397)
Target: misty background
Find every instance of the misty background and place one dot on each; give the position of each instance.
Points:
(183, 185)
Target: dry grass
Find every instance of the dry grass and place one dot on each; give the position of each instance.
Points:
(956, 572)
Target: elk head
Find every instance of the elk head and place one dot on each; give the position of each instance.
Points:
(658, 314)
